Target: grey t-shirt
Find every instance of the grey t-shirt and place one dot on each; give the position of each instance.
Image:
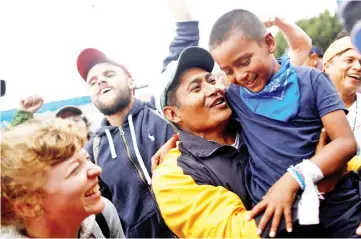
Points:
(111, 216)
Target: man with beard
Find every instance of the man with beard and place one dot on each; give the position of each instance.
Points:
(132, 131)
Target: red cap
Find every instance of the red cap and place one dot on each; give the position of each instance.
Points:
(90, 57)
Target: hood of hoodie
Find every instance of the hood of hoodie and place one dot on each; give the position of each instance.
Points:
(86, 229)
(143, 131)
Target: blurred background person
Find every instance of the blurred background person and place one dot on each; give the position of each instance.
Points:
(314, 58)
(30, 105)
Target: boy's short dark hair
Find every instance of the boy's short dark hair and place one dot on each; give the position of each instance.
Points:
(237, 21)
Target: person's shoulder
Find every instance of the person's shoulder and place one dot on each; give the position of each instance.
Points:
(112, 219)
(169, 161)
(176, 162)
(109, 212)
(89, 145)
(10, 232)
(309, 76)
(153, 114)
(232, 92)
(109, 208)
(232, 88)
(168, 167)
(306, 71)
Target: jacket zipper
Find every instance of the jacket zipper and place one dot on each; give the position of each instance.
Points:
(121, 131)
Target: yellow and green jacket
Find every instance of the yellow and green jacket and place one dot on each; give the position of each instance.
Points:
(201, 191)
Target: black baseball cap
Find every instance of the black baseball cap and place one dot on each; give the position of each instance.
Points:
(189, 58)
(69, 108)
(318, 50)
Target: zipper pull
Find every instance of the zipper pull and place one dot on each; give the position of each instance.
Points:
(121, 131)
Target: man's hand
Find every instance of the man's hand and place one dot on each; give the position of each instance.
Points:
(299, 42)
(323, 141)
(269, 21)
(358, 231)
(277, 203)
(162, 152)
(31, 104)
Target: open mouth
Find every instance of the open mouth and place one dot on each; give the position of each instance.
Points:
(104, 91)
(92, 191)
(354, 76)
(251, 82)
(218, 101)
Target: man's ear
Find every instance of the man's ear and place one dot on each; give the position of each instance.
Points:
(26, 209)
(314, 58)
(131, 83)
(172, 114)
(270, 42)
(326, 68)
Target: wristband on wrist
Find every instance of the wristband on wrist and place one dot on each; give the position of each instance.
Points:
(297, 176)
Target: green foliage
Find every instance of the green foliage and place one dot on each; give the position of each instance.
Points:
(322, 30)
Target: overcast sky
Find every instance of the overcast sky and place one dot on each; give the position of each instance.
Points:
(41, 39)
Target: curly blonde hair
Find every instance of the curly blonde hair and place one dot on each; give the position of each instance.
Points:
(27, 152)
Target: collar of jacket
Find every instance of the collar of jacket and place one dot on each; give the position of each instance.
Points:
(201, 147)
(136, 108)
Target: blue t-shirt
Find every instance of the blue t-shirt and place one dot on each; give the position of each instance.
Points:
(275, 145)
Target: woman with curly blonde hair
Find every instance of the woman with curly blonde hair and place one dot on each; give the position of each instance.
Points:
(49, 188)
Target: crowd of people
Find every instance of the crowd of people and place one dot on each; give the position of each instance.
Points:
(257, 147)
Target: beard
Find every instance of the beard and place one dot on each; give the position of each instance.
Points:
(121, 101)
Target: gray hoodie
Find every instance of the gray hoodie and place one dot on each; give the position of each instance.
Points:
(89, 227)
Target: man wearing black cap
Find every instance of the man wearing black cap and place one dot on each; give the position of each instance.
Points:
(203, 180)
(200, 187)
(132, 131)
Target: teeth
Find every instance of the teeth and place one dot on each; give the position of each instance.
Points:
(220, 101)
(354, 76)
(253, 80)
(104, 90)
(91, 192)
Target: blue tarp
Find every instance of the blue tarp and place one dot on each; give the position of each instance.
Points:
(51, 106)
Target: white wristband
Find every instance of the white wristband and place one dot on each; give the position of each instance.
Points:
(308, 208)
(310, 170)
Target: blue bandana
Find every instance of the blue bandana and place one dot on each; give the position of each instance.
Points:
(279, 100)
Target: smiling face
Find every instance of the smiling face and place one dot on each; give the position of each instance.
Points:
(110, 88)
(202, 103)
(246, 62)
(345, 71)
(72, 188)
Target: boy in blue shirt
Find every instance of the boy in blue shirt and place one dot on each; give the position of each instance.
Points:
(283, 109)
